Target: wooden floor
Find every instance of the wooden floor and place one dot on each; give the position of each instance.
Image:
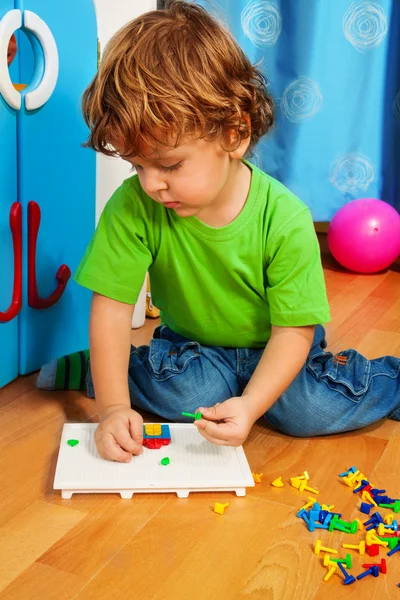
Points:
(159, 547)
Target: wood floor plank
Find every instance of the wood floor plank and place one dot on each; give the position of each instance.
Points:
(188, 551)
(30, 533)
(377, 343)
(102, 533)
(41, 582)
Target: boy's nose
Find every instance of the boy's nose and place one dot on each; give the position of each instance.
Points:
(154, 183)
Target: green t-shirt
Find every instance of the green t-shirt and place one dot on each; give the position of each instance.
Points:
(219, 286)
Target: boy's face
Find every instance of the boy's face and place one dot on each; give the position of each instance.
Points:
(188, 179)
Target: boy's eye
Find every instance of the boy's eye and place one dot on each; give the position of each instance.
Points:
(171, 167)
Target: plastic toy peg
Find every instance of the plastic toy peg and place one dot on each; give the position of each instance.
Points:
(382, 529)
(72, 443)
(373, 539)
(153, 429)
(319, 547)
(366, 497)
(220, 508)
(348, 481)
(382, 500)
(372, 549)
(295, 482)
(311, 501)
(195, 416)
(365, 508)
(347, 577)
(305, 476)
(304, 486)
(353, 526)
(360, 547)
(351, 470)
(276, 483)
(394, 526)
(364, 484)
(315, 510)
(372, 571)
(359, 477)
(381, 566)
(360, 525)
(376, 493)
(376, 518)
(392, 542)
(388, 519)
(165, 461)
(394, 550)
(328, 507)
(395, 506)
(333, 569)
(344, 526)
(328, 561)
(345, 561)
(258, 476)
(309, 522)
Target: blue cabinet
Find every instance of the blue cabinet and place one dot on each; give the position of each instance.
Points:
(44, 167)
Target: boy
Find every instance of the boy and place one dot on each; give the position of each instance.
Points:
(232, 254)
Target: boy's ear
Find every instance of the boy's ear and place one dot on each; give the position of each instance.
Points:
(239, 140)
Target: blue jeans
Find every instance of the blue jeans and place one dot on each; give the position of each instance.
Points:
(331, 393)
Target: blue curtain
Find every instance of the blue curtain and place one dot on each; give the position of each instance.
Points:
(334, 73)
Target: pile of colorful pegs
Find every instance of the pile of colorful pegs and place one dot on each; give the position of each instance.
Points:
(380, 531)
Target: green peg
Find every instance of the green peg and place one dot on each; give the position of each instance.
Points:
(195, 416)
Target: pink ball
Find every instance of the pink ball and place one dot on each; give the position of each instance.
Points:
(364, 235)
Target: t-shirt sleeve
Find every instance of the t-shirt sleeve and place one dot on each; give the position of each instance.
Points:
(118, 256)
(296, 289)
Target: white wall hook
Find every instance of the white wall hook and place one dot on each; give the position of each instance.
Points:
(11, 21)
(39, 96)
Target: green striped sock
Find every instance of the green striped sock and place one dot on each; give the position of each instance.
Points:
(71, 371)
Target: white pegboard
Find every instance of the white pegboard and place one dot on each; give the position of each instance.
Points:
(196, 465)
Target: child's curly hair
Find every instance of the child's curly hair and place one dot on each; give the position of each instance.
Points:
(174, 71)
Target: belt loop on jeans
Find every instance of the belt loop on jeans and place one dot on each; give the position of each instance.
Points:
(340, 359)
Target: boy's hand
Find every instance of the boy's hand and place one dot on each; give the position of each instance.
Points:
(119, 434)
(227, 423)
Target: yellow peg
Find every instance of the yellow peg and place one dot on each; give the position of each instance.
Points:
(360, 525)
(388, 519)
(366, 497)
(311, 502)
(295, 482)
(331, 571)
(319, 547)
(304, 486)
(220, 508)
(360, 547)
(327, 561)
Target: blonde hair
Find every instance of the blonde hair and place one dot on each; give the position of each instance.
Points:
(176, 71)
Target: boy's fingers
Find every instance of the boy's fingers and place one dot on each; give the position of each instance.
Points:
(213, 413)
(212, 430)
(214, 440)
(112, 450)
(124, 439)
(136, 434)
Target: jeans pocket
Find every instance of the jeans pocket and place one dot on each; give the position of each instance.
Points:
(167, 360)
(348, 373)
